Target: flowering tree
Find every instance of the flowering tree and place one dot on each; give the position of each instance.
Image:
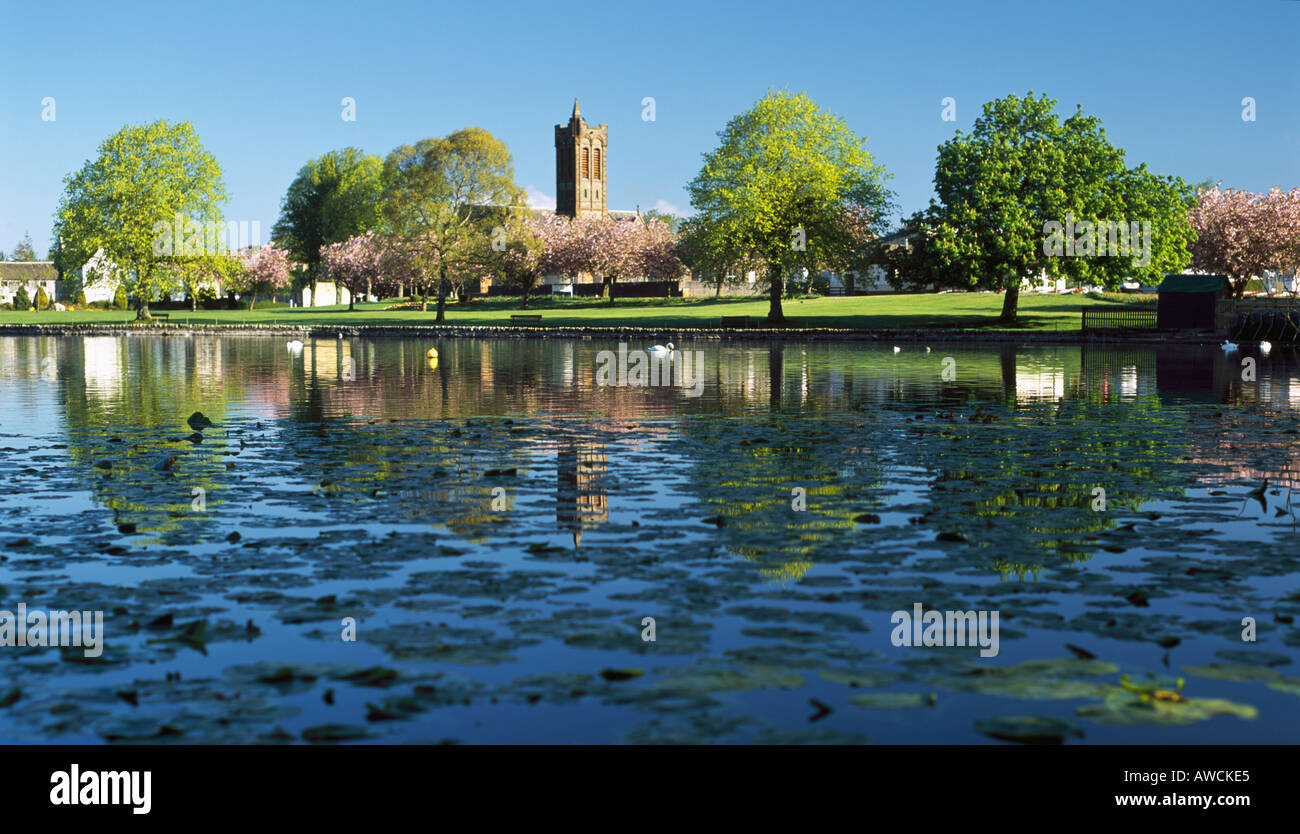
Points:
(1241, 234)
(356, 263)
(607, 248)
(657, 251)
(266, 271)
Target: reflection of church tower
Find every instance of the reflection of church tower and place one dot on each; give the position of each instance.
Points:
(580, 501)
(580, 166)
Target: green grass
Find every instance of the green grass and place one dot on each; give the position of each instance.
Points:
(879, 312)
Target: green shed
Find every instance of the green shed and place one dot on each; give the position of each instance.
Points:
(1187, 301)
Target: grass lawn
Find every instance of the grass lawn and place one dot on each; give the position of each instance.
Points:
(878, 312)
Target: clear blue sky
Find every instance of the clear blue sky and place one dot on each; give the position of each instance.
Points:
(262, 83)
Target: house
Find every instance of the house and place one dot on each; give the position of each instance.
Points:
(30, 274)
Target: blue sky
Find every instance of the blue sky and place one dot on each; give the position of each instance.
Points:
(263, 83)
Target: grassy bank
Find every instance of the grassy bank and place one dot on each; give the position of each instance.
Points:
(880, 312)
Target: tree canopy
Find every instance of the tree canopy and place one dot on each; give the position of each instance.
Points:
(1020, 177)
(145, 177)
(780, 187)
(333, 198)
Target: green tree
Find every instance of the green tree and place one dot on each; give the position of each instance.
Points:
(200, 276)
(120, 301)
(332, 198)
(442, 198)
(22, 301)
(1004, 189)
(81, 299)
(42, 301)
(24, 251)
(145, 181)
(783, 185)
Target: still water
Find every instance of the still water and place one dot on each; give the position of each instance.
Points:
(369, 545)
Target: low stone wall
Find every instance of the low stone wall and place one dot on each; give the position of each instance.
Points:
(706, 289)
(1226, 310)
(678, 335)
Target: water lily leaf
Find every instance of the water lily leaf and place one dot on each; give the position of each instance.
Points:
(893, 700)
(1028, 729)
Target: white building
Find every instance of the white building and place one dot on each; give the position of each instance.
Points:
(30, 274)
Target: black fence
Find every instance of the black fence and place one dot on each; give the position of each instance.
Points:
(1119, 319)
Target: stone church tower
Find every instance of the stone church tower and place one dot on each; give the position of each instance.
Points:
(580, 167)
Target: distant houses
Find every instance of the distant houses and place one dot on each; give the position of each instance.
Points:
(33, 275)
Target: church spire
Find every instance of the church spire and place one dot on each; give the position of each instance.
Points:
(575, 107)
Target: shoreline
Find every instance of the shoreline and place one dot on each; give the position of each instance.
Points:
(812, 334)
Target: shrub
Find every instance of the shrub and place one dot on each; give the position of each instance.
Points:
(21, 299)
(81, 298)
(42, 299)
(120, 301)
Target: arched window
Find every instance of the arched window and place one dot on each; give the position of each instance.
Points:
(586, 163)
(597, 168)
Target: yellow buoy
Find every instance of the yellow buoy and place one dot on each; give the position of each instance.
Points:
(433, 353)
(433, 363)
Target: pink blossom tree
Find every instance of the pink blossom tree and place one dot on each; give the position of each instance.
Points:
(265, 272)
(356, 263)
(1241, 234)
(607, 248)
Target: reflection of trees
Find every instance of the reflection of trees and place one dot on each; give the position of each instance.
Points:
(125, 402)
(824, 417)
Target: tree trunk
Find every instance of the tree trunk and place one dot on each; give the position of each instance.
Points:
(775, 316)
(526, 288)
(194, 303)
(442, 295)
(1010, 301)
(142, 312)
(252, 302)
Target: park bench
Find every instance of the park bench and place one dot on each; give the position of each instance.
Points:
(526, 317)
(735, 321)
(166, 316)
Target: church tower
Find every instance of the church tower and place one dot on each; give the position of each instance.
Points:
(580, 166)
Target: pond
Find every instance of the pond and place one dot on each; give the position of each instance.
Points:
(367, 544)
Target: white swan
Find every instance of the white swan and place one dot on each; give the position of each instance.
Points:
(294, 346)
(1229, 347)
(660, 350)
(1265, 347)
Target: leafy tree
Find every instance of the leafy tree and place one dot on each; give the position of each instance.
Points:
(200, 276)
(1242, 234)
(2, 256)
(525, 249)
(120, 300)
(332, 198)
(1021, 169)
(24, 251)
(778, 187)
(81, 299)
(442, 197)
(715, 257)
(672, 221)
(144, 179)
(22, 301)
(42, 301)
